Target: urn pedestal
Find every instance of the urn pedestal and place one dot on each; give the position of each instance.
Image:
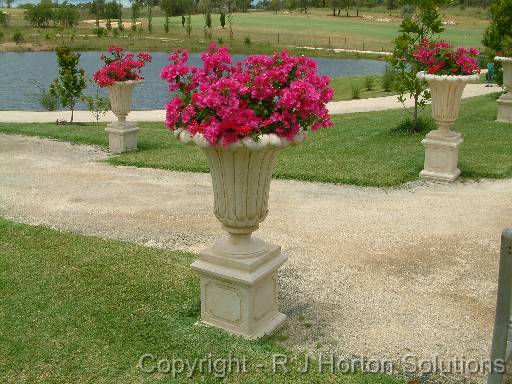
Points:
(122, 134)
(505, 100)
(442, 145)
(239, 289)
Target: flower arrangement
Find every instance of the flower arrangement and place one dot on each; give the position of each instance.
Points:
(440, 58)
(225, 102)
(120, 66)
(506, 52)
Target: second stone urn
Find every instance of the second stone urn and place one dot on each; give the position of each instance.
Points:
(239, 289)
(122, 134)
(442, 145)
(505, 101)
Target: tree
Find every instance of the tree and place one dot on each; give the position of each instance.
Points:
(4, 18)
(8, 3)
(97, 104)
(208, 24)
(167, 6)
(97, 9)
(70, 83)
(40, 15)
(113, 11)
(135, 8)
(67, 15)
(499, 32)
(223, 20)
(425, 23)
(150, 4)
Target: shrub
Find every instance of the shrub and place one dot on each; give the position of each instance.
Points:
(220, 40)
(388, 79)
(47, 99)
(356, 91)
(369, 82)
(247, 41)
(100, 32)
(408, 126)
(48, 36)
(18, 37)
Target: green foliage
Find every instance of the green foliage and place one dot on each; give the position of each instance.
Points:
(135, 14)
(100, 32)
(388, 79)
(208, 25)
(4, 18)
(409, 126)
(356, 91)
(97, 9)
(113, 11)
(247, 40)
(66, 15)
(498, 35)
(96, 103)
(220, 40)
(40, 15)
(423, 23)
(223, 20)
(188, 25)
(17, 37)
(71, 80)
(369, 83)
(47, 99)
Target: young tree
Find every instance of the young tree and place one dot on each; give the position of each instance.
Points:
(97, 104)
(97, 9)
(223, 19)
(135, 8)
(71, 80)
(167, 6)
(424, 24)
(150, 4)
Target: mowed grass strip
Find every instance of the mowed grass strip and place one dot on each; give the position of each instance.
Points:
(78, 309)
(359, 150)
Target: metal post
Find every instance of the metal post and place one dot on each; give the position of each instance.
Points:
(502, 337)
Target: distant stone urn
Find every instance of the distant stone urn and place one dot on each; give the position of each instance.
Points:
(442, 145)
(505, 101)
(122, 134)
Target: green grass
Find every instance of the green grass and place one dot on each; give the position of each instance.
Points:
(267, 31)
(77, 309)
(359, 150)
(342, 87)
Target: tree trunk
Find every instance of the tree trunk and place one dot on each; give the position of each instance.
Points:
(415, 116)
(72, 112)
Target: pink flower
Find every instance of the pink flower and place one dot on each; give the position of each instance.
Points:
(226, 102)
(440, 58)
(120, 67)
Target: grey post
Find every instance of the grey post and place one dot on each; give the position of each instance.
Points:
(502, 338)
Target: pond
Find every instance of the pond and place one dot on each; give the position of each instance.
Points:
(22, 70)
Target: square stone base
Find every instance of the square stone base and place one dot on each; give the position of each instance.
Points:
(504, 109)
(441, 156)
(240, 295)
(122, 136)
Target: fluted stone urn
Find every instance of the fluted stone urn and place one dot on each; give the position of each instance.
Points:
(442, 145)
(239, 287)
(122, 134)
(505, 101)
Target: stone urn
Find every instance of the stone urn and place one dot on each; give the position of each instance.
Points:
(505, 101)
(122, 135)
(239, 272)
(442, 145)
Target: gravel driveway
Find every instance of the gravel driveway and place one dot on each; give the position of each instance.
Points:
(372, 272)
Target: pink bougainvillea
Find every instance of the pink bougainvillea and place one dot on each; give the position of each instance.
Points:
(440, 58)
(120, 67)
(226, 102)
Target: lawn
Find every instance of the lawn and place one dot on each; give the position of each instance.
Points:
(84, 310)
(359, 150)
(266, 31)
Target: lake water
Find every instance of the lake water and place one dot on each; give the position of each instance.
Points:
(20, 71)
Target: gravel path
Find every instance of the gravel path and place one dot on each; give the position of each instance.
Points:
(373, 272)
(335, 108)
